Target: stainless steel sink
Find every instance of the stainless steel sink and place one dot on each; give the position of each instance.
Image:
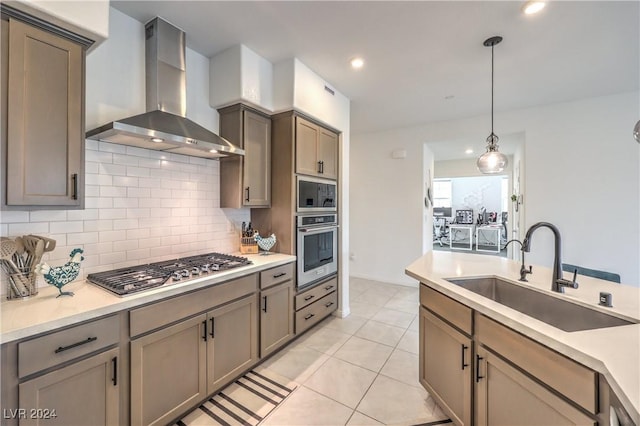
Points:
(559, 313)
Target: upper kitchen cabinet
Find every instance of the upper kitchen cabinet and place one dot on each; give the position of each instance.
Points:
(43, 115)
(246, 181)
(316, 150)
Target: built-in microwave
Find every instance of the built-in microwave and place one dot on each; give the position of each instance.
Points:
(316, 195)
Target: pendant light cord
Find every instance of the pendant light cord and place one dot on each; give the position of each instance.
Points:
(492, 89)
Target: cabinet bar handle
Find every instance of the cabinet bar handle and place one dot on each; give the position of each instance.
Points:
(74, 181)
(328, 304)
(309, 297)
(464, 348)
(309, 317)
(322, 167)
(84, 342)
(478, 376)
(114, 379)
(319, 166)
(213, 328)
(329, 287)
(204, 336)
(247, 191)
(264, 298)
(281, 274)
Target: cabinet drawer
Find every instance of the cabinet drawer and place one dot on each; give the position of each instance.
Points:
(55, 348)
(316, 293)
(456, 313)
(276, 275)
(571, 379)
(316, 311)
(159, 314)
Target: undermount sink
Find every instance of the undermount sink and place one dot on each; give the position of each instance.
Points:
(559, 313)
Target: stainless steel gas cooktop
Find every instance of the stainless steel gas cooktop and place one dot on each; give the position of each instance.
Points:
(133, 279)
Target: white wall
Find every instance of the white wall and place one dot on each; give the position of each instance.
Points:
(477, 192)
(579, 158)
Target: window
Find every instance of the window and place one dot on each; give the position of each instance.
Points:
(441, 193)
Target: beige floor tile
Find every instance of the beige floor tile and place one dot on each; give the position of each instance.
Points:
(394, 402)
(410, 342)
(359, 419)
(400, 304)
(373, 297)
(348, 325)
(323, 339)
(393, 317)
(365, 310)
(341, 381)
(415, 324)
(296, 362)
(306, 407)
(402, 366)
(380, 332)
(364, 353)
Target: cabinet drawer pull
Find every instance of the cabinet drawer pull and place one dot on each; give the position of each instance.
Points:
(281, 274)
(328, 304)
(308, 317)
(264, 298)
(84, 342)
(204, 336)
(247, 191)
(478, 376)
(309, 297)
(329, 287)
(464, 348)
(213, 328)
(74, 181)
(114, 379)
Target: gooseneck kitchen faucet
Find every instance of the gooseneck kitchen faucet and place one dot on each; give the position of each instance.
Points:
(558, 283)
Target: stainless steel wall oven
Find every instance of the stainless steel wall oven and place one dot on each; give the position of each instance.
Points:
(317, 248)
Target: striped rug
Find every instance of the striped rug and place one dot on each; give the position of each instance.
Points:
(244, 402)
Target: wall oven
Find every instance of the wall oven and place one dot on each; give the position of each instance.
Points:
(317, 248)
(315, 195)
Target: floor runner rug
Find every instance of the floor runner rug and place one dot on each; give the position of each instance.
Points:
(245, 402)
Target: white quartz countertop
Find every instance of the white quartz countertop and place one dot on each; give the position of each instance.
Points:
(44, 312)
(613, 351)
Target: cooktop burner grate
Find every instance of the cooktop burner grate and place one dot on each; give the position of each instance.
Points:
(134, 279)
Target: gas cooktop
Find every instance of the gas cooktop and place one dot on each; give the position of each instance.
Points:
(133, 279)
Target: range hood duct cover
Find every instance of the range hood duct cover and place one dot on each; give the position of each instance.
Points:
(165, 126)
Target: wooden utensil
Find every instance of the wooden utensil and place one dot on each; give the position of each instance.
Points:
(30, 242)
(7, 249)
(49, 243)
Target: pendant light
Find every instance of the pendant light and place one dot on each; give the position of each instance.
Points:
(492, 161)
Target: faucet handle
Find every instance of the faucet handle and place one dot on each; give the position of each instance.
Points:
(566, 283)
(524, 271)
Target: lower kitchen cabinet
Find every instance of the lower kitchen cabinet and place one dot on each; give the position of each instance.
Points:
(445, 366)
(315, 304)
(276, 317)
(232, 345)
(86, 392)
(168, 372)
(507, 397)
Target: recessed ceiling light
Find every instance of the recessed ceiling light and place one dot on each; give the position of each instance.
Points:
(157, 140)
(213, 151)
(533, 6)
(449, 97)
(468, 151)
(357, 63)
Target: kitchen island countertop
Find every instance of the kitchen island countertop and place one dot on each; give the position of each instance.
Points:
(614, 352)
(44, 312)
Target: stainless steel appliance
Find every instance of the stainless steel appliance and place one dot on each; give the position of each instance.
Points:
(133, 279)
(317, 248)
(316, 195)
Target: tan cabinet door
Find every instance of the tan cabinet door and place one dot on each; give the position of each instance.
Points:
(445, 366)
(506, 397)
(257, 160)
(307, 134)
(168, 372)
(45, 130)
(276, 317)
(84, 393)
(232, 341)
(328, 154)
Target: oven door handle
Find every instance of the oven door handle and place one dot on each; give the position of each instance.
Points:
(318, 229)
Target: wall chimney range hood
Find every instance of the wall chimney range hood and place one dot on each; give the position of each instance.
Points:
(165, 126)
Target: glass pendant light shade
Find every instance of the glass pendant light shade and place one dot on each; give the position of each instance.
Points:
(492, 161)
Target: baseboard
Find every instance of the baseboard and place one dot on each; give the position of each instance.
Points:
(377, 279)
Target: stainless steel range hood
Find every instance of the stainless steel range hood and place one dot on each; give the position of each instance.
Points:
(165, 126)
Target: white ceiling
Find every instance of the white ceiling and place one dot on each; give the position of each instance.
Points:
(419, 52)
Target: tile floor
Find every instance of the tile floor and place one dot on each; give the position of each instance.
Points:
(359, 370)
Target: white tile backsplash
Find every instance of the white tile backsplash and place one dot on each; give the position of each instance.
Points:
(141, 206)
